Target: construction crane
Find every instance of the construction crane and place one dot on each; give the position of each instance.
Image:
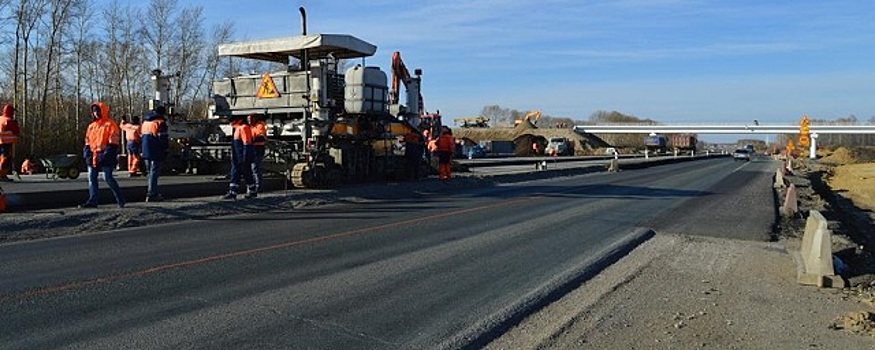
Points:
(531, 116)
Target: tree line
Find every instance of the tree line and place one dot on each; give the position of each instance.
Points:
(61, 55)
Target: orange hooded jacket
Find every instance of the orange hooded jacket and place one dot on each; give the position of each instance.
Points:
(9, 129)
(101, 139)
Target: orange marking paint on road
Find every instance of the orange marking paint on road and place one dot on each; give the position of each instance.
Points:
(215, 258)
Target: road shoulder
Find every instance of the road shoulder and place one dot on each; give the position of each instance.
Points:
(677, 291)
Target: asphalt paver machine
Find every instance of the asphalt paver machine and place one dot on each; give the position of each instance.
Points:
(330, 119)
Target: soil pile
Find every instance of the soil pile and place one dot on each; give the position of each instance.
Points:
(841, 155)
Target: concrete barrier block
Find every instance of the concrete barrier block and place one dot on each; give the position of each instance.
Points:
(816, 266)
(791, 202)
(779, 179)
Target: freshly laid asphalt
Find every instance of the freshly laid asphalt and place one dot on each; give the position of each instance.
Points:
(36, 192)
(39, 191)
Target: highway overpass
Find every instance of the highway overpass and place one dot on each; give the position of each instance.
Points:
(756, 128)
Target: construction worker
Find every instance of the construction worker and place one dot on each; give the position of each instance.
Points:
(427, 141)
(444, 146)
(132, 136)
(536, 148)
(27, 166)
(413, 149)
(242, 153)
(259, 144)
(155, 142)
(9, 132)
(102, 140)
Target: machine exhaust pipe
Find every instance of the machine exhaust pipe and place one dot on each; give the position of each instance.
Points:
(303, 20)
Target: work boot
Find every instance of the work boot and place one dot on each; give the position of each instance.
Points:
(155, 198)
(87, 205)
(229, 196)
(251, 195)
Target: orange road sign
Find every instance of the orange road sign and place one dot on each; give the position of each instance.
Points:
(267, 89)
(804, 130)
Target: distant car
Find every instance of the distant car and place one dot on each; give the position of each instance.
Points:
(559, 146)
(741, 154)
(476, 151)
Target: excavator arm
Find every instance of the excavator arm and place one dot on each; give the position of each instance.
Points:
(531, 116)
(400, 75)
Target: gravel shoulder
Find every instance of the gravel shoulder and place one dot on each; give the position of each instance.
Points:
(690, 292)
(684, 292)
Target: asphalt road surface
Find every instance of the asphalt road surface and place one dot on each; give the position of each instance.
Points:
(450, 269)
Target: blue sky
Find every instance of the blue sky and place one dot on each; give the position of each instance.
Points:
(675, 61)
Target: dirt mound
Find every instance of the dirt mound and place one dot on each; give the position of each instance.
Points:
(841, 155)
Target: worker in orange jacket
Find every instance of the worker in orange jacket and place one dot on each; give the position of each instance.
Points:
(9, 132)
(444, 146)
(259, 145)
(413, 150)
(155, 145)
(132, 136)
(27, 167)
(242, 153)
(102, 140)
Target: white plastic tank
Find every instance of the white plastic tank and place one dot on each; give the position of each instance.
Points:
(366, 90)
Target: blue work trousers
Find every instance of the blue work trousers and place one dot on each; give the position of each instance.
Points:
(93, 174)
(154, 167)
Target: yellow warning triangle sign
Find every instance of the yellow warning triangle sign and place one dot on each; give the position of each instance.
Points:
(267, 89)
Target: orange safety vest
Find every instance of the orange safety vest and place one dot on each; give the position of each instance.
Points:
(7, 136)
(132, 132)
(8, 126)
(445, 143)
(259, 134)
(243, 133)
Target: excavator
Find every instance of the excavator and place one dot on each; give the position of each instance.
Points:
(531, 116)
(414, 112)
(326, 125)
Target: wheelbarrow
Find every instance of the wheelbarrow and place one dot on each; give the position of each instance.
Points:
(62, 166)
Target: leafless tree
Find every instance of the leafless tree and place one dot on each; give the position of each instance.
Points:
(158, 30)
(188, 54)
(27, 18)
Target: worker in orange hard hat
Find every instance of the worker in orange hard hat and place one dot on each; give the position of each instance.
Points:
(9, 131)
(444, 147)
